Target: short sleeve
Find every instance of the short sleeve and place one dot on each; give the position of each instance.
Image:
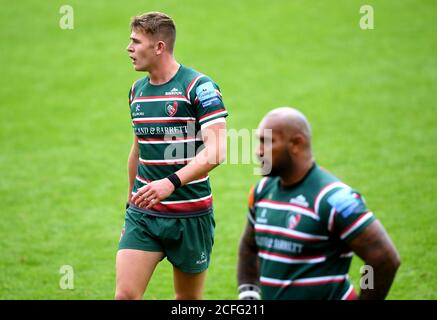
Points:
(207, 101)
(347, 213)
(130, 97)
(132, 92)
(251, 206)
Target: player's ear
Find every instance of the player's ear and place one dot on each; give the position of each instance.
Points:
(160, 47)
(296, 143)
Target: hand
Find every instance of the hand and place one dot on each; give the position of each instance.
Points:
(152, 193)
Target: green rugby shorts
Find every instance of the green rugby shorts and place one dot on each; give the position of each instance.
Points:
(186, 242)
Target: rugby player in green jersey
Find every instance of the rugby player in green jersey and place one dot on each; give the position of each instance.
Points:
(304, 224)
(178, 118)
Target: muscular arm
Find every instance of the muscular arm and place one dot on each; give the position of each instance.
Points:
(374, 246)
(214, 153)
(132, 166)
(248, 265)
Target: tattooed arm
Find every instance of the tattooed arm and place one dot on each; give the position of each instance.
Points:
(248, 268)
(374, 246)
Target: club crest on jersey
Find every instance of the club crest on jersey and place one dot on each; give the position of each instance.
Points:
(171, 108)
(293, 220)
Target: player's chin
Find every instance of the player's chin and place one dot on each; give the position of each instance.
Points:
(139, 67)
(267, 169)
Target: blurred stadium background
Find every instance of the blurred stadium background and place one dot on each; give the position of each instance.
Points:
(65, 129)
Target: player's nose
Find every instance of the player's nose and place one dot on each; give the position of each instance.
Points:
(259, 152)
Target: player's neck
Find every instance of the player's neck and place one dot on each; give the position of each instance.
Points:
(164, 71)
(300, 170)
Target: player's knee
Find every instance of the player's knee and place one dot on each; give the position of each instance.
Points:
(127, 295)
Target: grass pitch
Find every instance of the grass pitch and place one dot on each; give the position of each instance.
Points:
(65, 129)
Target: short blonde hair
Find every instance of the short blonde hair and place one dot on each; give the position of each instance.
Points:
(158, 25)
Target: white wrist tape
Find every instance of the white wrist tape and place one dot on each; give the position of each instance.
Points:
(249, 295)
(249, 292)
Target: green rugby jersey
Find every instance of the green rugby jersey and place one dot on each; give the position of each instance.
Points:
(167, 120)
(302, 233)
